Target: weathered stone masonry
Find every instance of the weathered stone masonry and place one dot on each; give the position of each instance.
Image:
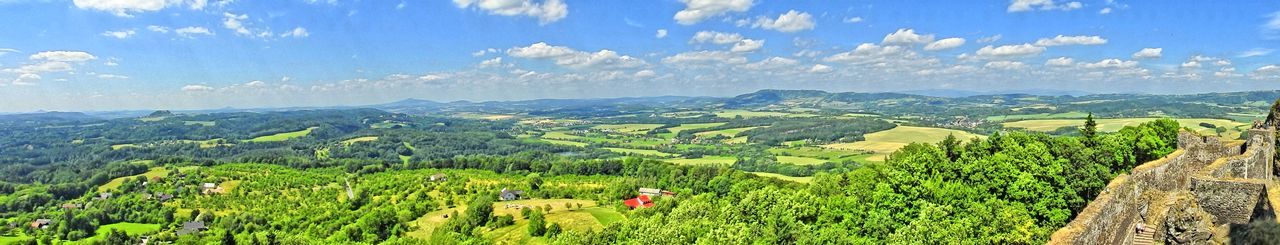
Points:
(1191, 195)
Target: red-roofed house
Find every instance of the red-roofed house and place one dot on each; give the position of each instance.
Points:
(638, 202)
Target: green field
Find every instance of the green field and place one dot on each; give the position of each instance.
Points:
(1074, 114)
(122, 146)
(676, 130)
(12, 239)
(884, 142)
(628, 128)
(706, 160)
(132, 229)
(800, 160)
(590, 216)
(1234, 128)
(803, 180)
(835, 155)
(726, 132)
(115, 183)
(639, 152)
(359, 139)
(283, 136)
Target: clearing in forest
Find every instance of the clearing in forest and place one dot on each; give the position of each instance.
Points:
(884, 142)
(634, 128)
(802, 180)
(283, 136)
(706, 160)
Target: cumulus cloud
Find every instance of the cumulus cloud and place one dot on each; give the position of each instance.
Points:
(792, 21)
(160, 29)
(698, 10)
(297, 32)
(1031, 5)
(854, 19)
(990, 39)
(495, 62)
(568, 57)
(125, 8)
(63, 56)
(1061, 40)
(747, 45)
(715, 37)
(820, 68)
(26, 79)
(1060, 62)
(234, 22)
(1148, 53)
(662, 33)
(906, 36)
(1111, 64)
(192, 31)
(772, 63)
(944, 44)
(111, 76)
(1106, 10)
(645, 74)
(547, 11)
(1005, 65)
(1010, 51)
(196, 88)
(121, 34)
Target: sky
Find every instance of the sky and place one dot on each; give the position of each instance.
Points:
(97, 55)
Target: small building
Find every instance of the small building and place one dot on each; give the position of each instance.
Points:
(208, 186)
(508, 195)
(103, 196)
(650, 191)
(163, 196)
(72, 205)
(192, 227)
(641, 201)
(211, 188)
(439, 177)
(41, 223)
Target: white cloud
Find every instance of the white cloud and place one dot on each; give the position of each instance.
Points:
(1010, 50)
(192, 31)
(1061, 40)
(547, 11)
(990, 39)
(196, 88)
(854, 19)
(1148, 53)
(792, 21)
(1271, 29)
(568, 57)
(698, 10)
(662, 33)
(160, 29)
(1268, 72)
(297, 32)
(944, 44)
(896, 57)
(1005, 65)
(63, 56)
(771, 63)
(704, 57)
(715, 37)
(747, 45)
(1255, 52)
(1111, 64)
(1060, 62)
(4, 51)
(645, 74)
(233, 22)
(111, 76)
(125, 8)
(42, 67)
(26, 79)
(820, 68)
(906, 36)
(495, 62)
(400, 6)
(1190, 64)
(121, 34)
(1106, 10)
(1030, 5)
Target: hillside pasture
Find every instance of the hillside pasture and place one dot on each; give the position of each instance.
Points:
(359, 139)
(706, 160)
(627, 128)
(639, 152)
(1064, 115)
(751, 114)
(800, 160)
(880, 144)
(802, 180)
(283, 136)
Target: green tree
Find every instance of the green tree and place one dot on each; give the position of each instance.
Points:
(1090, 130)
(537, 224)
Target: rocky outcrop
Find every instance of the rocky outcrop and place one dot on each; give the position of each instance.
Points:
(1204, 185)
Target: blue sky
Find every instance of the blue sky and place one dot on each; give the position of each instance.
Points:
(191, 54)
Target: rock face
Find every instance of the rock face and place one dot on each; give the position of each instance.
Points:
(1186, 223)
(1205, 185)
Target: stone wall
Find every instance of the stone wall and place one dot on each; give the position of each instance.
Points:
(1197, 165)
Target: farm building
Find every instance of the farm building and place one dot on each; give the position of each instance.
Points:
(508, 195)
(41, 223)
(192, 227)
(439, 177)
(655, 192)
(638, 202)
